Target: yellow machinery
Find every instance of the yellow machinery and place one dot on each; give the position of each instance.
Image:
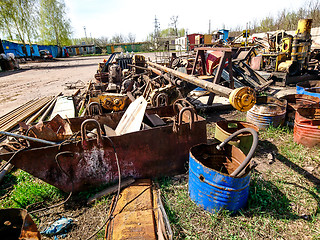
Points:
(295, 52)
(112, 101)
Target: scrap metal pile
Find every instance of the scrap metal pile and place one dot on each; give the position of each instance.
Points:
(136, 121)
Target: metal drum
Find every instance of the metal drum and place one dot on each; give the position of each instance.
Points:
(296, 101)
(267, 111)
(225, 128)
(16, 223)
(311, 88)
(219, 178)
(307, 127)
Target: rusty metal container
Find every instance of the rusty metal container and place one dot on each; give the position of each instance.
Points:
(210, 184)
(267, 111)
(307, 127)
(311, 88)
(225, 128)
(87, 163)
(16, 223)
(218, 174)
(296, 101)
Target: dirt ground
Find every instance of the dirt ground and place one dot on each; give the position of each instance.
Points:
(39, 79)
(50, 78)
(44, 79)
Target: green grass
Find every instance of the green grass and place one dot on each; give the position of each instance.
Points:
(283, 202)
(29, 190)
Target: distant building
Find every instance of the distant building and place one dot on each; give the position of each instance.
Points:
(19, 50)
(191, 40)
(27, 51)
(181, 44)
(81, 49)
(127, 47)
(225, 34)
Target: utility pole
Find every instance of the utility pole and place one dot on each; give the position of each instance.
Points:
(209, 26)
(156, 31)
(246, 35)
(156, 27)
(85, 33)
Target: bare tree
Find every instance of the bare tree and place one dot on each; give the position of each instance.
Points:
(117, 38)
(131, 38)
(174, 21)
(101, 42)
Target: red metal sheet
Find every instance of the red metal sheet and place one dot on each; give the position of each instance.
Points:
(144, 154)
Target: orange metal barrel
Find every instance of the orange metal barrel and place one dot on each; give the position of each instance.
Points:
(307, 127)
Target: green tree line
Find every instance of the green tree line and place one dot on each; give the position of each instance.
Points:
(288, 20)
(43, 21)
(285, 19)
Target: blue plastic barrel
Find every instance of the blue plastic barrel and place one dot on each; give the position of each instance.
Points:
(311, 88)
(210, 183)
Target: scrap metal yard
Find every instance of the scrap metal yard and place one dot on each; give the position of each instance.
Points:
(183, 136)
(283, 201)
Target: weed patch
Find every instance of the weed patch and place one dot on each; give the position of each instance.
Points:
(29, 190)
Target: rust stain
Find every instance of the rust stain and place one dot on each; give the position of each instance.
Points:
(141, 154)
(133, 215)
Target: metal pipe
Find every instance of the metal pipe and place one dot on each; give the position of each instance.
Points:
(52, 104)
(238, 172)
(27, 138)
(215, 88)
(21, 116)
(33, 118)
(158, 72)
(13, 113)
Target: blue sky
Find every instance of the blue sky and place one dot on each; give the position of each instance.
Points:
(110, 17)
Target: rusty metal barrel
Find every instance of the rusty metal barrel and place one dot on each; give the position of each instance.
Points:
(218, 175)
(267, 111)
(307, 126)
(225, 128)
(16, 223)
(296, 101)
(311, 88)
